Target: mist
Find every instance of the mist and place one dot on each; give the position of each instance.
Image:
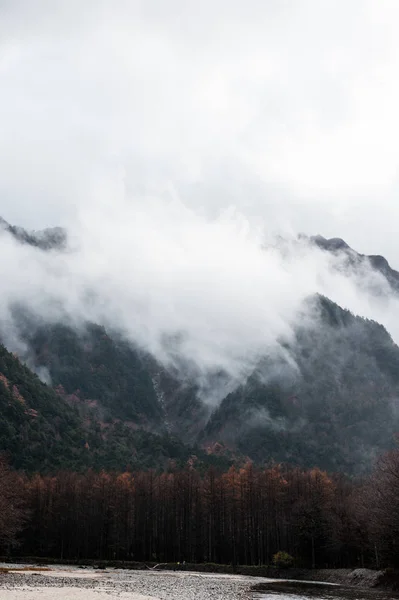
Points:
(286, 111)
(184, 148)
(202, 294)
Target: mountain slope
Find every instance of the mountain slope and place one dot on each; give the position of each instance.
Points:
(332, 401)
(37, 428)
(54, 238)
(93, 366)
(329, 399)
(355, 260)
(40, 430)
(337, 409)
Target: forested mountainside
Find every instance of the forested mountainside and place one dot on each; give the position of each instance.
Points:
(338, 408)
(120, 383)
(36, 426)
(43, 430)
(334, 404)
(328, 399)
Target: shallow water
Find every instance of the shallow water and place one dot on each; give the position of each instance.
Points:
(300, 590)
(73, 583)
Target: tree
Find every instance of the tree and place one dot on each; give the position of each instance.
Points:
(283, 560)
(12, 509)
(381, 498)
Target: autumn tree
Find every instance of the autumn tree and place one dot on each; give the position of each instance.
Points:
(381, 501)
(12, 506)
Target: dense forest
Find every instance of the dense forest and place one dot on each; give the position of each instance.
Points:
(109, 454)
(240, 516)
(44, 429)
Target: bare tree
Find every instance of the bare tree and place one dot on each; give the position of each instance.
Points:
(12, 509)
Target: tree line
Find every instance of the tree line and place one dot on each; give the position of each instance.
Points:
(242, 516)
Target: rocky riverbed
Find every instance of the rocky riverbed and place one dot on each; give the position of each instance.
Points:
(34, 582)
(73, 583)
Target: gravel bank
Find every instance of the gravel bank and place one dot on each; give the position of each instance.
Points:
(89, 584)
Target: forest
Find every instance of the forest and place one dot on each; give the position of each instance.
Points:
(242, 516)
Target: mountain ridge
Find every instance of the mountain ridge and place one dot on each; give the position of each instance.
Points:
(377, 262)
(337, 408)
(57, 238)
(330, 399)
(51, 238)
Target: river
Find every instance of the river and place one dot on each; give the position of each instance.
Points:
(300, 590)
(32, 582)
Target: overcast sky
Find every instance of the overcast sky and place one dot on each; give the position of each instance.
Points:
(175, 138)
(287, 110)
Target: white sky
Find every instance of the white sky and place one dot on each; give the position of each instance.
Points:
(287, 110)
(174, 136)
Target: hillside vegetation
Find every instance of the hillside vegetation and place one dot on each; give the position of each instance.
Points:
(328, 397)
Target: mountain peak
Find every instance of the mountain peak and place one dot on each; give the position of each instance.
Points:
(51, 238)
(332, 244)
(377, 262)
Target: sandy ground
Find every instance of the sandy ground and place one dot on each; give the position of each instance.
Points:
(72, 583)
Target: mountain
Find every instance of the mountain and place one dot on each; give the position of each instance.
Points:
(328, 398)
(56, 238)
(42, 429)
(94, 367)
(36, 426)
(53, 238)
(334, 404)
(355, 261)
(338, 408)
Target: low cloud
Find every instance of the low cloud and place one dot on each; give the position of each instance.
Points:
(286, 110)
(204, 295)
(175, 143)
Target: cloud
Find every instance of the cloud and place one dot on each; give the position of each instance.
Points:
(203, 294)
(286, 110)
(175, 140)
